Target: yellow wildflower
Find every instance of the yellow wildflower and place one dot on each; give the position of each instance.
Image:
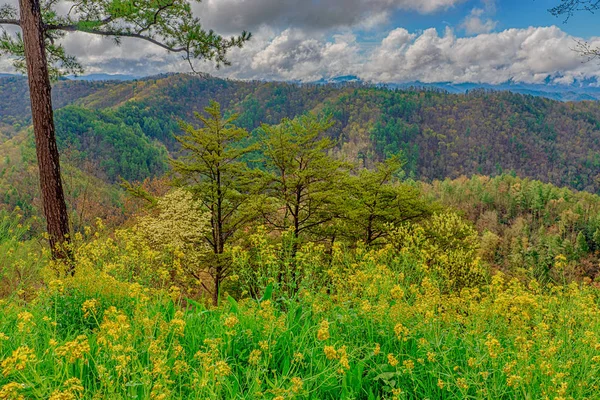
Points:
(18, 360)
(462, 383)
(377, 349)
(74, 350)
(343, 355)
(323, 333)
(330, 352)
(89, 307)
(297, 384)
(25, 321)
(10, 391)
(254, 358)
(231, 321)
(298, 357)
(222, 369)
(401, 332)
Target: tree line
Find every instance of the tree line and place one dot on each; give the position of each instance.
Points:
(288, 181)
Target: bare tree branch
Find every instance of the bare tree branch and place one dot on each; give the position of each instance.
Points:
(569, 7)
(586, 50)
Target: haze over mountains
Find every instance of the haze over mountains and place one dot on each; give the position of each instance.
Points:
(588, 89)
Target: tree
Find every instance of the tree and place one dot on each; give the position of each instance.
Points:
(303, 182)
(169, 24)
(568, 8)
(179, 224)
(377, 198)
(212, 168)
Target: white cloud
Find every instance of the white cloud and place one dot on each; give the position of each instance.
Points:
(476, 23)
(526, 55)
(294, 56)
(300, 53)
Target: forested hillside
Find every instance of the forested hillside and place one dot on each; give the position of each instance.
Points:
(440, 134)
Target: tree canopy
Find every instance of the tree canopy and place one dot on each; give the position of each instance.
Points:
(169, 24)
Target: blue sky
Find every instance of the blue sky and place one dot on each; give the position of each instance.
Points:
(487, 41)
(507, 14)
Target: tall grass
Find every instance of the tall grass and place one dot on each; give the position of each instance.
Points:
(20, 258)
(379, 327)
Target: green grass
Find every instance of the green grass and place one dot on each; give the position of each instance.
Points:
(380, 328)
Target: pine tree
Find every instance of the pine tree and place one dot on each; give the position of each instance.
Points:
(303, 181)
(169, 24)
(377, 199)
(212, 168)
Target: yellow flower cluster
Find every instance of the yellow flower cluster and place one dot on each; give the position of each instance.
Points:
(11, 391)
(323, 333)
(74, 350)
(25, 321)
(89, 307)
(18, 360)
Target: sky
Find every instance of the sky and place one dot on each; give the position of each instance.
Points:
(379, 41)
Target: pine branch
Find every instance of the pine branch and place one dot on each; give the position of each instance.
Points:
(75, 28)
(10, 21)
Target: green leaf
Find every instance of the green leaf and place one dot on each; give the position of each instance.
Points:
(385, 376)
(268, 293)
(234, 304)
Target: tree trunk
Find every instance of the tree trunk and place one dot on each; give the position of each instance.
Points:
(53, 198)
(217, 288)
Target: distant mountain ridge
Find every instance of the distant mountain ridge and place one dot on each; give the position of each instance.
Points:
(584, 90)
(587, 90)
(104, 77)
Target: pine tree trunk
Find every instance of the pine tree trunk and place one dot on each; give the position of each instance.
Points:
(53, 199)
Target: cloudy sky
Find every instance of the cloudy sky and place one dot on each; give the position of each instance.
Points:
(488, 41)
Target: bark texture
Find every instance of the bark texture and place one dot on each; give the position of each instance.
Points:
(53, 199)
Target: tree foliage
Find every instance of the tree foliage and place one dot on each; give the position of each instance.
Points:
(169, 24)
(377, 199)
(213, 170)
(303, 181)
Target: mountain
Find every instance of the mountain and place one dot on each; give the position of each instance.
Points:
(125, 129)
(103, 77)
(15, 108)
(578, 91)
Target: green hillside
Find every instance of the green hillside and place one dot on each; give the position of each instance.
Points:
(441, 135)
(115, 130)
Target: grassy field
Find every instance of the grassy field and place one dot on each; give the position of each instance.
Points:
(362, 324)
